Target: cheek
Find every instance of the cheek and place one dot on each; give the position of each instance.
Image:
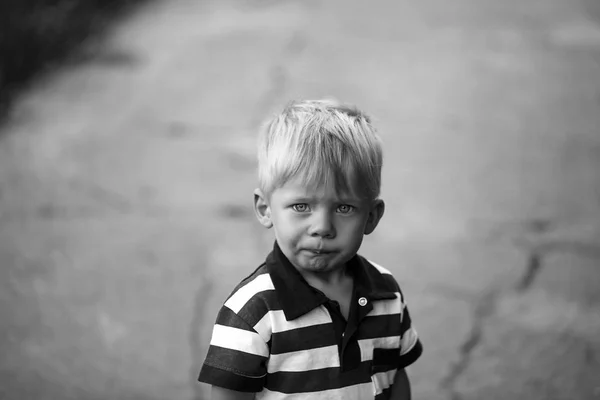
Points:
(279, 219)
(355, 226)
(286, 226)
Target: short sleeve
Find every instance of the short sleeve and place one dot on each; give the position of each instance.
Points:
(410, 345)
(237, 355)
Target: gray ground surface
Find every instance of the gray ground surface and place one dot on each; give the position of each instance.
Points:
(125, 190)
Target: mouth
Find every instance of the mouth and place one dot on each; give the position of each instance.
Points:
(319, 251)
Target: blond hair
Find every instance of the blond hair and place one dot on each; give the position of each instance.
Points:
(323, 142)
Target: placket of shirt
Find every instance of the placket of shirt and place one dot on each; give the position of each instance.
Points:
(345, 331)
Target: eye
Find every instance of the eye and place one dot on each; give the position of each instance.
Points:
(345, 209)
(301, 207)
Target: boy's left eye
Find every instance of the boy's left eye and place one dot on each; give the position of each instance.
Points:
(345, 209)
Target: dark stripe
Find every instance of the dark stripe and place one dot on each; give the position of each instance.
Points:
(310, 337)
(261, 270)
(260, 304)
(406, 321)
(385, 394)
(379, 326)
(351, 357)
(318, 379)
(411, 356)
(230, 380)
(385, 360)
(379, 282)
(236, 361)
(390, 281)
(227, 317)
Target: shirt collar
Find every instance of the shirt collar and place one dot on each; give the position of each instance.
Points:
(297, 297)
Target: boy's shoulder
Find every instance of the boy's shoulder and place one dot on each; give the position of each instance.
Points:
(372, 264)
(375, 269)
(258, 273)
(259, 281)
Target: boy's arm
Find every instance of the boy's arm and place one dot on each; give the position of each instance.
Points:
(219, 393)
(235, 364)
(411, 350)
(401, 387)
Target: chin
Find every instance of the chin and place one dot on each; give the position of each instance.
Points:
(321, 266)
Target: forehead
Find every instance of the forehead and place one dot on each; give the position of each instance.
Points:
(297, 188)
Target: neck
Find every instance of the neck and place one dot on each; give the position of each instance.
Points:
(329, 278)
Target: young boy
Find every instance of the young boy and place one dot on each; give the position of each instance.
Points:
(316, 320)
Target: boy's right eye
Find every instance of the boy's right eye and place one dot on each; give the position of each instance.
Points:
(301, 207)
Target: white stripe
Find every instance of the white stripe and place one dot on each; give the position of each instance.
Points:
(386, 307)
(239, 339)
(305, 360)
(380, 268)
(264, 326)
(383, 380)
(318, 316)
(409, 339)
(260, 284)
(367, 346)
(275, 322)
(355, 392)
(279, 323)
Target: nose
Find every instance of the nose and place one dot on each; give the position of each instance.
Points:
(321, 225)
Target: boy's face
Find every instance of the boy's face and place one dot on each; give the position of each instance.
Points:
(317, 230)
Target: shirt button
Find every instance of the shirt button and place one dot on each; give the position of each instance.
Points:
(362, 302)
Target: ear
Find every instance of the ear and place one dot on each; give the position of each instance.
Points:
(375, 214)
(262, 209)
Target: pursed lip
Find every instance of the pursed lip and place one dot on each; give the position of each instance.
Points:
(318, 251)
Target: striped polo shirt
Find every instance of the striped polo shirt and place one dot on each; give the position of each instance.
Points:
(281, 338)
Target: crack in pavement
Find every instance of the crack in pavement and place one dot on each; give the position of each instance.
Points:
(534, 265)
(538, 247)
(536, 227)
(483, 310)
(539, 251)
(581, 248)
(543, 237)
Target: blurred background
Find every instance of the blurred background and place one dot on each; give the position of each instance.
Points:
(127, 169)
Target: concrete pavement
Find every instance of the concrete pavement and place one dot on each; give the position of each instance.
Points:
(125, 188)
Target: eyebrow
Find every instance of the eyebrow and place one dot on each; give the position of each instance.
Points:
(309, 199)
